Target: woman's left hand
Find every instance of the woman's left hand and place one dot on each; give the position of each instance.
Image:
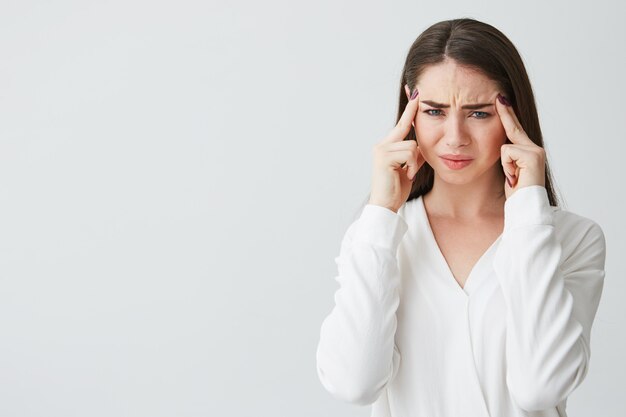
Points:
(523, 160)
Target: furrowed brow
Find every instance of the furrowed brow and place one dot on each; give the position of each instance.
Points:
(467, 106)
(476, 106)
(435, 104)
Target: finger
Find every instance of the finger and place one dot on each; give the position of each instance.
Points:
(512, 126)
(413, 162)
(512, 158)
(508, 166)
(402, 159)
(413, 169)
(403, 127)
(407, 91)
(508, 181)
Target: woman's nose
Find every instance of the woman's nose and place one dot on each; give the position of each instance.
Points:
(455, 134)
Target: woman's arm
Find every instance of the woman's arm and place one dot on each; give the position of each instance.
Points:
(551, 302)
(356, 354)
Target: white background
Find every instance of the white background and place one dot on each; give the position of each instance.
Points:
(176, 177)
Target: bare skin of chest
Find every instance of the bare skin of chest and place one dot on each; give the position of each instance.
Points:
(462, 244)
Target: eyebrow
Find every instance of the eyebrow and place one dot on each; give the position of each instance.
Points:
(467, 106)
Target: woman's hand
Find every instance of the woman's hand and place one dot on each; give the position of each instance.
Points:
(396, 161)
(523, 160)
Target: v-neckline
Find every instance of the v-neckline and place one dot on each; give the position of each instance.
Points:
(469, 281)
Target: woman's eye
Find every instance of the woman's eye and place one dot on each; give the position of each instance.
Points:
(477, 114)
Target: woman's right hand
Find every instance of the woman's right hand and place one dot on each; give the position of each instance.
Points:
(396, 161)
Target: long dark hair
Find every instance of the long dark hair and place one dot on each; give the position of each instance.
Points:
(480, 46)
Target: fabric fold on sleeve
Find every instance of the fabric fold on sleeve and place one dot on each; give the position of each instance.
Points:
(551, 302)
(381, 227)
(526, 207)
(356, 354)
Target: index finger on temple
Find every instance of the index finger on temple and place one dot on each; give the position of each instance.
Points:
(403, 127)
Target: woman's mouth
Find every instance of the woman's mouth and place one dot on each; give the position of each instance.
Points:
(456, 164)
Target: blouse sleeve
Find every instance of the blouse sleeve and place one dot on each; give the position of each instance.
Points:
(551, 302)
(356, 354)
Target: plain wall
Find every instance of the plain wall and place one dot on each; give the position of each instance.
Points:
(176, 177)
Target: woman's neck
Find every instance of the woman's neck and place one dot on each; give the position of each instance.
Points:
(483, 197)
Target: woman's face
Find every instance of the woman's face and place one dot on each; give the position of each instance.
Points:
(443, 126)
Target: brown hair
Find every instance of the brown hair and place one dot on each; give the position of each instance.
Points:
(482, 47)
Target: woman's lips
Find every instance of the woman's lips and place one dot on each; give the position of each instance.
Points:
(456, 164)
(455, 156)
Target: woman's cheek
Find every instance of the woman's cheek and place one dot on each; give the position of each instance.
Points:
(495, 130)
(425, 144)
(427, 134)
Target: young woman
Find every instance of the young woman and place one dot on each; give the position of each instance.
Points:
(465, 290)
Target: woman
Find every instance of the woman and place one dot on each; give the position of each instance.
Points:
(464, 289)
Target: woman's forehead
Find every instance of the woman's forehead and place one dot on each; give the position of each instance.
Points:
(448, 79)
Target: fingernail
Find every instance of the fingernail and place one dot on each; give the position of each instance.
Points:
(415, 93)
(503, 100)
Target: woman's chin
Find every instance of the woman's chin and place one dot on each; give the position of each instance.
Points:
(466, 175)
(454, 177)
(458, 180)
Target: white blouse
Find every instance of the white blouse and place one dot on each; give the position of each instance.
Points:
(515, 341)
